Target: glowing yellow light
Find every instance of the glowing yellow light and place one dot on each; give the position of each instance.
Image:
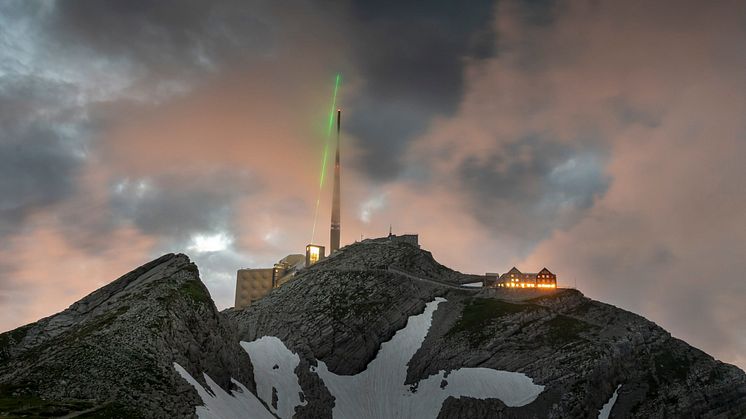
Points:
(313, 253)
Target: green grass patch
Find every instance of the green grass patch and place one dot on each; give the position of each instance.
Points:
(653, 386)
(10, 339)
(353, 302)
(479, 313)
(36, 407)
(101, 322)
(716, 374)
(196, 292)
(552, 294)
(77, 337)
(670, 367)
(30, 406)
(111, 411)
(367, 308)
(582, 309)
(564, 329)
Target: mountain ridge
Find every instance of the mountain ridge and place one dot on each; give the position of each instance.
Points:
(113, 353)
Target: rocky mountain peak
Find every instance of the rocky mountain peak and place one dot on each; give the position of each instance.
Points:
(380, 319)
(112, 350)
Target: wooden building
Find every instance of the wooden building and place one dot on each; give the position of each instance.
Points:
(517, 279)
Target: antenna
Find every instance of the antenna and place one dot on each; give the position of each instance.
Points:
(326, 151)
(335, 224)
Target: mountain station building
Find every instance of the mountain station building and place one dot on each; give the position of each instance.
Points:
(517, 279)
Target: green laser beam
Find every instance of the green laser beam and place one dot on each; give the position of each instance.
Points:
(329, 130)
(326, 153)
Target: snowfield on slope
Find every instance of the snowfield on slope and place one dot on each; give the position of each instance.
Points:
(218, 404)
(606, 409)
(380, 392)
(274, 370)
(377, 392)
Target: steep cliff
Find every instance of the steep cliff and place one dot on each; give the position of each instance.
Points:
(111, 354)
(380, 329)
(339, 311)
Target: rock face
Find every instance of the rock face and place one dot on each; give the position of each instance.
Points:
(341, 309)
(581, 350)
(113, 352)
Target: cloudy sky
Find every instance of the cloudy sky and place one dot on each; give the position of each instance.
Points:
(603, 139)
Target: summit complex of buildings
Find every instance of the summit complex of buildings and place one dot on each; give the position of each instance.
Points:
(517, 279)
(254, 283)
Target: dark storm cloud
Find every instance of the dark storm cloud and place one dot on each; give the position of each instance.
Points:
(538, 12)
(178, 205)
(170, 35)
(39, 149)
(407, 58)
(52, 108)
(531, 187)
(631, 114)
(410, 57)
(26, 98)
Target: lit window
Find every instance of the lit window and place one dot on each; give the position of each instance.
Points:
(313, 254)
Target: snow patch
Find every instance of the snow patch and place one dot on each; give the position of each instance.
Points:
(274, 368)
(218, 404)
(473, 285)
(377, 392)
(606, 409)
(380, 392)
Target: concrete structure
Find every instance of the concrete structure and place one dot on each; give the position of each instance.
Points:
(406, 238)
(517, 279)
(314, 253)
(286, 268)
(335, 227)
(253, 284)
(490, 279)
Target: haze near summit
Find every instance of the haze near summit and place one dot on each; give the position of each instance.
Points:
(603, 139)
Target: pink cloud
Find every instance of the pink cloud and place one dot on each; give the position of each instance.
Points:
(49, 273)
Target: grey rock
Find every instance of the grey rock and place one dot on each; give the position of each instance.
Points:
(113, 351)
(115, 348)
(579, 349)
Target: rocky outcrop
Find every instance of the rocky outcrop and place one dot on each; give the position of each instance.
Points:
(580, 350)
(113, 351)
(339, 316)
(385, 253)
(340, 311)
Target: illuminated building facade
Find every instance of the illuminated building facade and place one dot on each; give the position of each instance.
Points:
(286, 268)
(517, 279)
(253, 284)
(314, 253)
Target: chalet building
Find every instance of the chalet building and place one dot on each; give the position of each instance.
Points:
(517, 279)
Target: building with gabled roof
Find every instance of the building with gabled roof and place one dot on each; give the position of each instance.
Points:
(514, 278)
